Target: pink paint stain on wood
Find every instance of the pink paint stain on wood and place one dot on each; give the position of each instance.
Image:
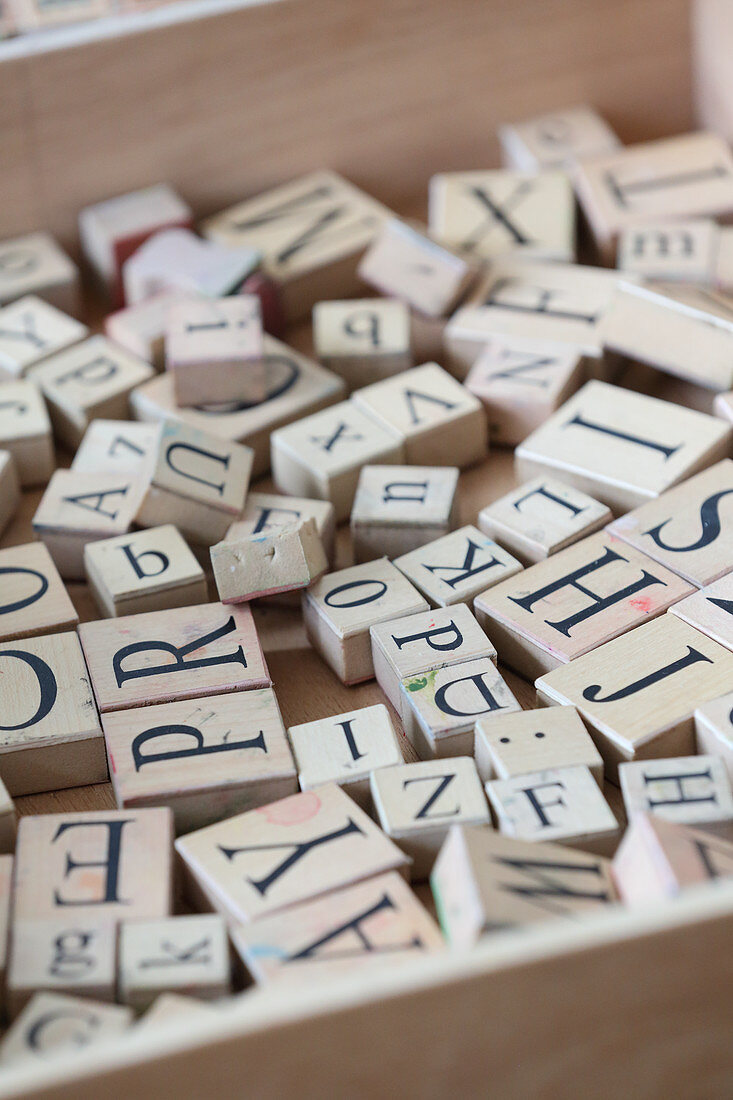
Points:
(643, 603)
(295, 810)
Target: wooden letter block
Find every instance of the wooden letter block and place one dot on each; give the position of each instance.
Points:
(282, 560)
(321, 455)
(637, 693)
(688, 528)
(311, 233)
(339, 609)
(50, 737)
(25, 431)
(416, 804)
(199, 483)
(689, 790)
(78, 508)
(151, 570)
(216, 352)
(37, 601)
(62, 955)
(205, 759)
(375, 923)
(102, 865)
(284, 853)
(399, 508)
(457, 567)
(182, 653)
(437, 418)
(30, 331)
(35, 264)
(673, 251)
(711, 610)
(9, 489)
(53, 1022)
(440, 708)
(623, 448)
(486, 214)
(681, 177)
(558, 804)
(112, 230)
(94, 378)
(521, 383)
(296, 387)
(484, 881)
(269, 511)
(141, 328)
(573, 602)
(556, 140)
(424, 642)
(8, 821)
(657, 859)
(187, 954)
(363, 341)
(534, 741)
(344, 749)
(178, 259)
(714, 730)
(404, 263)
(540, 517)
(115, 447)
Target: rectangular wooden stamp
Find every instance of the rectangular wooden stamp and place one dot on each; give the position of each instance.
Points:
(710, 610)
(689, 790)
(683, 251)
(556, 140)
(533, 741)
(52, 1023)
(399, 508)
(37, 602)
(189, 955)
(30, 331)
(141, 328)
(9, 489)
(36, 264)
(25, 431)
(62, 955)
(363, 341)
(178, 259)
(268, 511)
(714, 729)
(283, 560)
(115, 447)
(456, 567)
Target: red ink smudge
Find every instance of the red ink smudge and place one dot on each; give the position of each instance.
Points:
(295, 810)
(643, 603)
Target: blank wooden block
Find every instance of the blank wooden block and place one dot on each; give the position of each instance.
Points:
(557, 139)
(404, 263)
(62, 955)
(558, 804)
(215, 351)
(623, 448)
(363, 341)
(30, 331)
(541, 517)
(297, 387)
(53, 1023)
(198, 482)
(424, 642)
(689, 790)
(322, 454)
(151, 570)
(658, 859)
(206, 759)
(457, 567)
(440, 708)
(689, 527)
(35, 264)
(288, 852)
(637, 693)
(574, 601)
(181, 653)
(6, 893)
(92, 379)
(521, 383)
(189, 955)
(141, 327)
(37, 601)
(486, 214)
(680, 177)
(345, 749)
(25, 431)
(50, 734)
(339, 609)
(9, 489)
(671, 251)
(110, 231)
(711, 610)
(78, 508)
(101, 865)
(440, 422)
(507, 745)
(115, 446)
(416, 804)
(269, 511)
(178, 259)
(375, 923)
(8, 821)
(311, 233)
(714, 730)
(398, 508)
(282, 560)
(484, 882)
